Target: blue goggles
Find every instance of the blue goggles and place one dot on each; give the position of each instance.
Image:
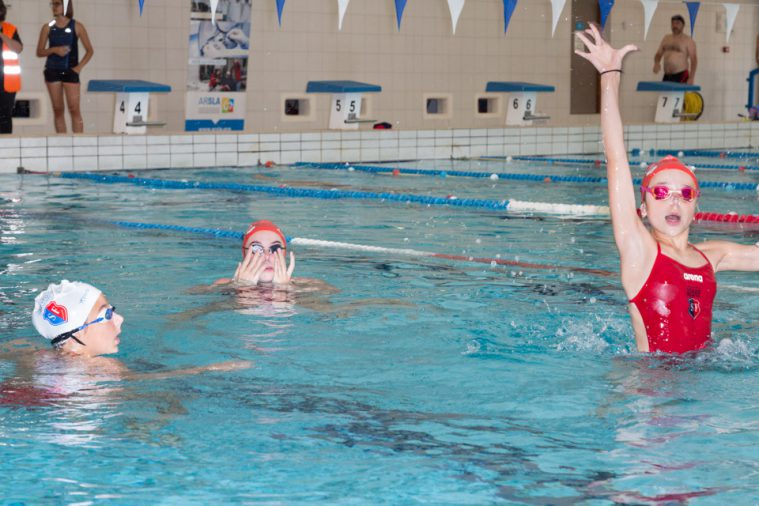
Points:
(106, 315)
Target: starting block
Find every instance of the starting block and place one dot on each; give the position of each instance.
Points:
(132, 103)
(345, 107)
(522, 102)
(669, 107)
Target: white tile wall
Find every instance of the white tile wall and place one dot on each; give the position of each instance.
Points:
(111, 152)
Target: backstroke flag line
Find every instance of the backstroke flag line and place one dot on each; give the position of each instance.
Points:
(342, 6)
(693, 11)
(400, 5)
(732, 13)
(649, 8)
(606, 6)
(455, 6)
(556, 7)
(508, 10)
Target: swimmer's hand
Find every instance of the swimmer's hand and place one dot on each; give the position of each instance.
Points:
(282, 272)
(230, 365)
(250, 269)
(600, 53)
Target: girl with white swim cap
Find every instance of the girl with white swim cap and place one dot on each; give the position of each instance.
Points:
(77, 318)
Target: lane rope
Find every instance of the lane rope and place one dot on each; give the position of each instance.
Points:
(505, 205)
(544, 178)
(319, 243)
(496, 205)
(585, 161)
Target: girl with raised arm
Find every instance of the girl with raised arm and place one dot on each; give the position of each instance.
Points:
(670, 283)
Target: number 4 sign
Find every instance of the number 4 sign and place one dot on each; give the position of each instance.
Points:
(131, 113)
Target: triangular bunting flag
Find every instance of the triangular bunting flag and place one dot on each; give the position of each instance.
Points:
(556, 7)
(455, 6)
(605, 6)
(732, 12)
(65, 6)
(214, 5)
(280, 8)
(342, 6)
(693, 11)
(142, 4)
(649, 8)
(400, 5)
(508, 10)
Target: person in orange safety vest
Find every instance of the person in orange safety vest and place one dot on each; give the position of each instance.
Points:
(10, 71)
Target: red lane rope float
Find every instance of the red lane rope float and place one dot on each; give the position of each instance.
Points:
(728, 217)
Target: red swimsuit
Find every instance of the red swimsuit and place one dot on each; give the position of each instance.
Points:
(676, 305)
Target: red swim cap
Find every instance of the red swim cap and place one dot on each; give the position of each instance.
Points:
(261, 225)
(668, 163)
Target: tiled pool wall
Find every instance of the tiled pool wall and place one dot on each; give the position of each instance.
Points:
(118, 152)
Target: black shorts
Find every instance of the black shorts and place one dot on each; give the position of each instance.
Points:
(63, 76)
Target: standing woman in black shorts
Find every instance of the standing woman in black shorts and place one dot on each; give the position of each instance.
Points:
(10, 71)
(59, 42)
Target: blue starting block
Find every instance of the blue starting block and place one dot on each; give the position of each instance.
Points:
(347, 97)
(132, 102)
(671, 99)
(522, 100)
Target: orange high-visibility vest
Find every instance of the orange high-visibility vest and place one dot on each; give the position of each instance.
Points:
(11, 63)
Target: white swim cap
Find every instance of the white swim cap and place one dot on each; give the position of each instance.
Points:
(63, 307)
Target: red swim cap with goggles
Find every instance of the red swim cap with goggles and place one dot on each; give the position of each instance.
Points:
(260, 226)
(667, 163)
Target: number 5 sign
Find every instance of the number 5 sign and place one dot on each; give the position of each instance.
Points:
(345, 112)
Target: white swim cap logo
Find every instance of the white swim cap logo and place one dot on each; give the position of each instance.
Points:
(693, 277)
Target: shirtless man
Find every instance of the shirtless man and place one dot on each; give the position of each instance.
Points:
(677, 50)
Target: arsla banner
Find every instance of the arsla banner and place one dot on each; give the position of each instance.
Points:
(218, 65)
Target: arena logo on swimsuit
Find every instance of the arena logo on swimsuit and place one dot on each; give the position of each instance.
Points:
(56, 314)
(693, 277)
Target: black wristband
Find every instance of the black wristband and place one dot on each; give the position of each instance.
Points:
(612, 70)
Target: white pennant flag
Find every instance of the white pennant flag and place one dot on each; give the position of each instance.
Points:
(557, 7)
(65, 6)
(214, 5)
(342, 6)
(455, 6)
(649, 8)
(732, 12)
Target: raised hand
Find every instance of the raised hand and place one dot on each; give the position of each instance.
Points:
(250, 269)
(283, 272)
(600, 53)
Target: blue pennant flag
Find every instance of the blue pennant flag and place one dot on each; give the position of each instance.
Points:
(605, 6)
(399, 6)
(142, 4)
(280, 8)
(693, 11)
(508, 10)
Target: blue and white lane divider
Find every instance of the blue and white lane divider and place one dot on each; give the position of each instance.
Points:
(586, 161)
(494, 205)
(336, 245)
(543, 178)
(723, 153)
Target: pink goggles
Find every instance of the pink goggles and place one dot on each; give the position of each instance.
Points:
(662, 192)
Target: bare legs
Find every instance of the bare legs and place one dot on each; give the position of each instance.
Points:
(71, 91)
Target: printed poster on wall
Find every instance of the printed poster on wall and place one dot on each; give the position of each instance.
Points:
(218, 66)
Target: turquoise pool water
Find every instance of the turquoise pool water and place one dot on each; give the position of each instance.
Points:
(414, 380)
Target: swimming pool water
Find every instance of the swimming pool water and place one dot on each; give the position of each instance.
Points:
(415, 380)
